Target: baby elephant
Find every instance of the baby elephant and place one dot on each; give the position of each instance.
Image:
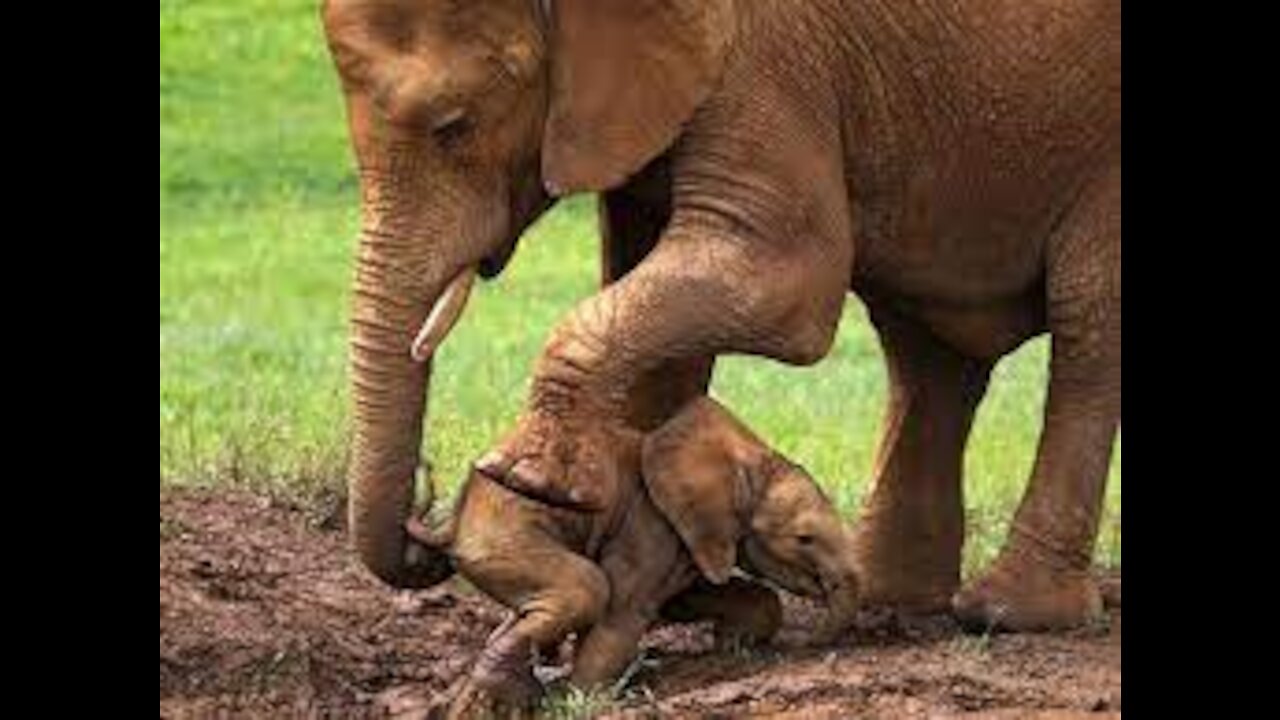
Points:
(698, 497)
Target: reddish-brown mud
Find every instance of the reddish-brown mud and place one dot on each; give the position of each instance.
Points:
(265, 613)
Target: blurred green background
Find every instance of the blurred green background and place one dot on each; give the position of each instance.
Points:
(258, 216)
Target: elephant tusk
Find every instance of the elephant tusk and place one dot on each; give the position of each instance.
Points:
(443, 316)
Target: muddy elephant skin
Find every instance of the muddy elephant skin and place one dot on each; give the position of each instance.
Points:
(664, 551)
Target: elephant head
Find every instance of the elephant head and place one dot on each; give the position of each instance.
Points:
(459, 114)
(727, 495)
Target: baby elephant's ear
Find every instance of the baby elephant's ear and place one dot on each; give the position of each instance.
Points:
(699, 469)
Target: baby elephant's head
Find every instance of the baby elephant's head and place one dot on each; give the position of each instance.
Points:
(726, 493)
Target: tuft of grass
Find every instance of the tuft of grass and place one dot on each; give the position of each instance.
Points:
(258, 211)
(576, 704)
(978, 645)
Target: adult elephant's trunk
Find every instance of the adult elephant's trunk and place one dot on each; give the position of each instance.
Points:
(401, 310)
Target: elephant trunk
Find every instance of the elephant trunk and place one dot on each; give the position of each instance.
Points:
(841, 592)
(390, 377)
(831, 579)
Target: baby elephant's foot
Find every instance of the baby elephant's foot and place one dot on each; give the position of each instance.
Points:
(502, 683)
(476, 701)
(495, 690)
(570, 464)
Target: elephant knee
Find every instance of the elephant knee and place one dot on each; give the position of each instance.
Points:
(584, 597)
(807, 324)
(589, 597)
(798, 314)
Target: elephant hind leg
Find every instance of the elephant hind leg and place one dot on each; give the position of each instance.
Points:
(910, 530)
(554, 592)
(1041, 579)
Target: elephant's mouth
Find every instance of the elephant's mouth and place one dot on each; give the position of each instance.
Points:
(492, 265)
(756, 560)
(449, 305)
(528, 204)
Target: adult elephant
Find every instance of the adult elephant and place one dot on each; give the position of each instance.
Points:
(956, 163)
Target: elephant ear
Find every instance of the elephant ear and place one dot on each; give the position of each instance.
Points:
(701, 469)
(625, 76)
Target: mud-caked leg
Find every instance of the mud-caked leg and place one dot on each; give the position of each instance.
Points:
(1041, 578)
(910, 531)
(554, 592)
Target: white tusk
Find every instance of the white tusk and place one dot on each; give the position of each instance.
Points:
(443, 316)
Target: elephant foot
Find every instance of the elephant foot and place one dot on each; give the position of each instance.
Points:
(478, 700)
(906, 571)
(1020, 593)
(502, 683)
(499, 687)
(567, 464)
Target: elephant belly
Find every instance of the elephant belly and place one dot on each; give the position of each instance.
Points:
(986, 332)
(984, 329)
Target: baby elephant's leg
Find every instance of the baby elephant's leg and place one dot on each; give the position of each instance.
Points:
(554, 592)
(744, 612)
(608, 648)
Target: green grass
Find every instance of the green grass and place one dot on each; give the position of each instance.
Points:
(575, 704)
(258, 214)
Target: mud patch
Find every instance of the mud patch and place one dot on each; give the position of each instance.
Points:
(265, 613)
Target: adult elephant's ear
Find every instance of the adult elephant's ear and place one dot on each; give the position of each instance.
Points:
(701, 469)
(625, 77)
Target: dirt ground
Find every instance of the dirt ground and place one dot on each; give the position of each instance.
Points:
(265, 613)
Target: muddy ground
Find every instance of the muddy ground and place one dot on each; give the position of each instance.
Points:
(264, 613)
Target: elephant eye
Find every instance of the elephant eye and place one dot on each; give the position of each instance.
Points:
(804, 539)
(451, 127)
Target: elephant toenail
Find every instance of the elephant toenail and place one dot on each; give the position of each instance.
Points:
(491, 464)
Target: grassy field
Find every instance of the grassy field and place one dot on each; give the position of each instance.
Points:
(258, 215)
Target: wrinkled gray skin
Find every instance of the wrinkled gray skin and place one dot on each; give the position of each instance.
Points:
(953, 162)
(442, 192)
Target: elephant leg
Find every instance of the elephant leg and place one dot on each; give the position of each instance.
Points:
(608, 648)
(910, 533)
(694, 296)
(745, 612)
(1041, 579)
(554, 592)
(756, 259)
(632, 219)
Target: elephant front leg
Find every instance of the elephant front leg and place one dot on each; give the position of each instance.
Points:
(696, 295)
(608, 648)
(910, 530)
(632, 218)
